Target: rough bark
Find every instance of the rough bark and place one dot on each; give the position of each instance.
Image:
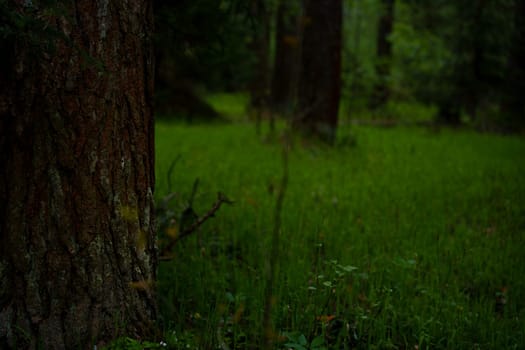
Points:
(77, 233)
(384, 54)
(320, 74)
(287, 50)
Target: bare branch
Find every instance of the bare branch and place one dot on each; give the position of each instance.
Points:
(221, 198)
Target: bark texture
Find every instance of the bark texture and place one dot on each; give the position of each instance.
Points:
(320, 75)
(77, 233)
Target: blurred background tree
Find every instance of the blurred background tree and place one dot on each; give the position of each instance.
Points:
(201, 45)
(287, 51)
(384, 54)
(460, 59)
(454, 54)
(319, 87)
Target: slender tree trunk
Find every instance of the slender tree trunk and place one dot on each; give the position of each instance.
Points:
(260, 84)
(320, 75)
(449, 113)
(513, 104)
(77, 231)
(287, 50)
(472, 95)
(384, 54)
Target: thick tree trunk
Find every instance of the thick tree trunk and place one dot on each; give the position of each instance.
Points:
(320, 75)
(384, 54)
(287, 50)
(77, 239)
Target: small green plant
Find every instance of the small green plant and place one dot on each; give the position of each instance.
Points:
(340, 272)
(126, 343)
(298, 341)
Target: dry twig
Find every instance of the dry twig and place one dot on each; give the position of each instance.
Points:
(221, 198)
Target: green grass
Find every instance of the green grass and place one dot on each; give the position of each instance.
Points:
(411, 238)
(231, 106)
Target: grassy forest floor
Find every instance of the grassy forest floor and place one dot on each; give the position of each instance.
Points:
(406, 238)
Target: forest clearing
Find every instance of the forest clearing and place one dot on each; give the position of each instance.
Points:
(262, 174)
(413, 238)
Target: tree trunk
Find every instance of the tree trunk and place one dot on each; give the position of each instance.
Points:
(384, 54)
(320, 75)
(285, 72)
(260, 45)
(449, 113)
(77, 239)
(513, 104)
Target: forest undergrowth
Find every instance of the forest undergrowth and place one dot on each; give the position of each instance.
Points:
(403, 238)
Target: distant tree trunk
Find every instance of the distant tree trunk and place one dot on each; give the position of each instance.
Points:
(320, 74)
(260, 85)
(449, 113)
(472, 94)
(175, 94)
(77, 230)
(381, 91)
(513, 104)
(287, 50)
(465, 81)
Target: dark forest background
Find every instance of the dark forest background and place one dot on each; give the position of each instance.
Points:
(462, 59)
